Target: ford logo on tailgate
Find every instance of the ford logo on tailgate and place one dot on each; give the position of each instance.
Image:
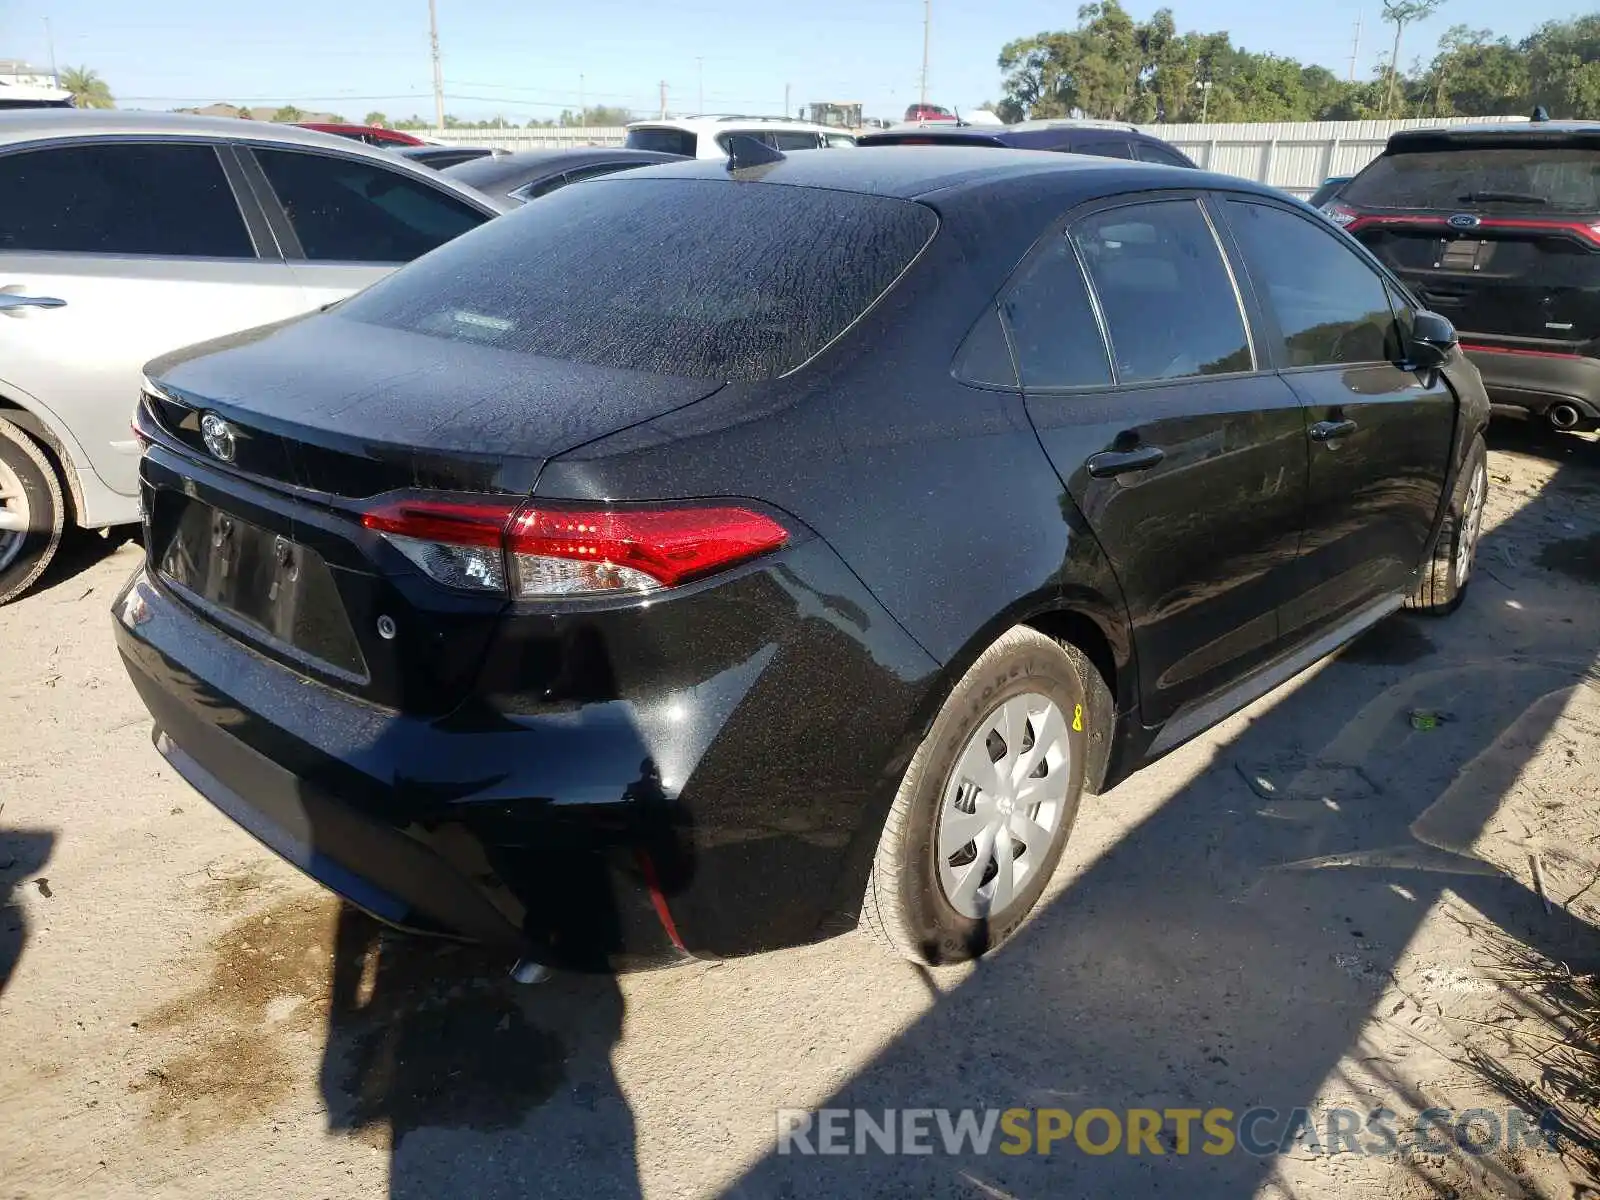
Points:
(218, 435)
(1465, 221)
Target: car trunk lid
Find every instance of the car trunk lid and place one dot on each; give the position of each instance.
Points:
(263, 533)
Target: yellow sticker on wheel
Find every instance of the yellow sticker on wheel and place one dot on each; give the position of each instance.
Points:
(1077, 718)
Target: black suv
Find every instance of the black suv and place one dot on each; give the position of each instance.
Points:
(1067, 137)
(1498, 228)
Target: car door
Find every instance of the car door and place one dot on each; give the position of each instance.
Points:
(1379, 431)
(113, 252)
(1186, 456)
(344, 222)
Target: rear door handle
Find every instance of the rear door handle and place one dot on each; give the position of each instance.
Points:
(1109, 463)
(1327, 431)
(12, 300)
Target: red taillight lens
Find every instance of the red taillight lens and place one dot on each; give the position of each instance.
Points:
(1340, 215)
(459, 543)
(565, 552)
(532, 551)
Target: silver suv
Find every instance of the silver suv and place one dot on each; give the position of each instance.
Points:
(126, 235)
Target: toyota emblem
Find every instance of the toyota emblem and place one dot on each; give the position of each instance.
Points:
(218, 435)
(1465, 221)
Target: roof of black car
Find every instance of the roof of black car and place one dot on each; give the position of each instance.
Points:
(912, 172)
(1497, 133)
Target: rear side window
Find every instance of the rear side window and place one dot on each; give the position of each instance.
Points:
(1168, 300)
(1330, 306)
(1102, 147)
(171, 200)
(1153, 153)
(669, 141)
(704, 278)
(347, 210)
(985, 358)
(1482, 179)
(794, 139)
(1052, 325)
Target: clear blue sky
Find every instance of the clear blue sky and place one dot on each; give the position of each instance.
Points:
(524, 58)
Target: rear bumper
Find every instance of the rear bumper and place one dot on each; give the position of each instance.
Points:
(1535, 382)
(703, 812)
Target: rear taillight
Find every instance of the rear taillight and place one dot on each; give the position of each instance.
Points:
(531, 551)
(1339, 214)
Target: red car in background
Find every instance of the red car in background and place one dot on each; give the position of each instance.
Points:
(929, 112)
(372, 135)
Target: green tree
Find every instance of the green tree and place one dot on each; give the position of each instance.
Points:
(376, 119)
(1564, 66)
(87, 88)
(1476, 74)
(288, 115)
(1401, 13)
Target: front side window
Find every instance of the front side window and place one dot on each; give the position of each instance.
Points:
(1330, 307)
(1169, 302)
(121, 198)
(349, 210)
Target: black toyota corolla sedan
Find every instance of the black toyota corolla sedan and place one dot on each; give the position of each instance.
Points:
(710, 557)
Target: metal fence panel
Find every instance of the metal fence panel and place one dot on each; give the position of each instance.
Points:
(538, 138)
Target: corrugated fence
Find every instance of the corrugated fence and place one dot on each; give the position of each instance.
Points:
(544, 138)
(1294, 155)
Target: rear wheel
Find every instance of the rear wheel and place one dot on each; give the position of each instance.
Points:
(32, 511)
(1445, 577)
(985, 807)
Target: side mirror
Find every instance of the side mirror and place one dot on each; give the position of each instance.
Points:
(1432, 339)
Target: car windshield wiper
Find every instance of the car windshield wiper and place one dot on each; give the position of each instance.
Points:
(1505, 197)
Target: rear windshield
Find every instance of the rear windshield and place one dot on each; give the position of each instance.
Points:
(668, 141)
(704, 278)
(1482, 178)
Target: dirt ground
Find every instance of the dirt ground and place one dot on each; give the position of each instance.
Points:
(1315, 905)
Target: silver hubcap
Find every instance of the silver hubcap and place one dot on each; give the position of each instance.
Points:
(13, 516)
(1471, 523)
(1002, 807)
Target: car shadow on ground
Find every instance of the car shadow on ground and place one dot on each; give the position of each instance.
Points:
(81, 549)
(427, 1039)
(23, 852)
(1228, 951)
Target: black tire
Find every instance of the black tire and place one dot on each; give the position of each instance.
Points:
(1445, 577)
(21, 565)
(905, 907)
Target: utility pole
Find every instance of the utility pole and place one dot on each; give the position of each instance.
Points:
(582, 107)
(50, 40)
(1355, 49)
(438, 71)
(927, 22)
(700, 80)
(663, 99)
(786, 99)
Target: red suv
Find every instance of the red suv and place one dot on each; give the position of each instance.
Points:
(372, 135)
(928, 112)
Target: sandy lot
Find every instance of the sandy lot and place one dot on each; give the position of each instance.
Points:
(1315, 905)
